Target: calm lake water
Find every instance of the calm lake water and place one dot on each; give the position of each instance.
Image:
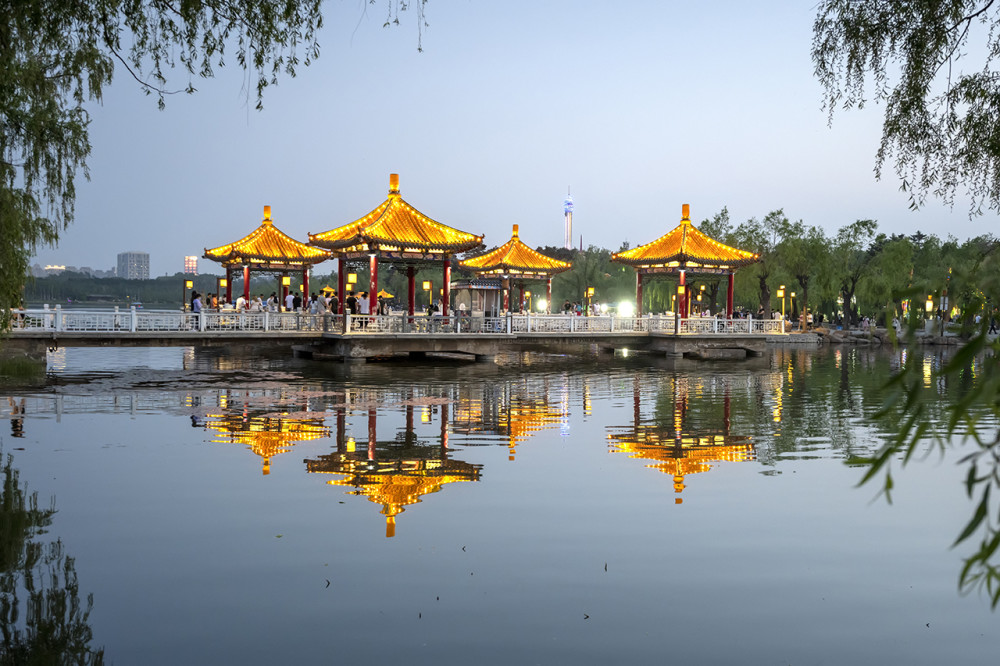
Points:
(236, 508)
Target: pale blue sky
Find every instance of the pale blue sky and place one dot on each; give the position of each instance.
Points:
(639, 107)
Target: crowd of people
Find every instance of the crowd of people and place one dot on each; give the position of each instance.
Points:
(325, 302)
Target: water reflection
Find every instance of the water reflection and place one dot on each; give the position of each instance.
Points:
(42, 618)
(16, 417)
(512, 410)
(678, 448)
(266, 436)
(394, 473)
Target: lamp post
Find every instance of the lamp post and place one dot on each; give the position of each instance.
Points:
(286, 282)
(781, 295)
(590, 295)
(222, 284)
(527, 296)
(792, 305)
(188, 284)
(427, 288)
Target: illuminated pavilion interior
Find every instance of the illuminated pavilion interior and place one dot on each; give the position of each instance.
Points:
(680, 251)
(515, 262)
(267, 249)
(397, 233)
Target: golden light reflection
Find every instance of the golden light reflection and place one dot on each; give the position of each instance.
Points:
(516, 416)
(265, 436)
(392, 474)
(674, 449)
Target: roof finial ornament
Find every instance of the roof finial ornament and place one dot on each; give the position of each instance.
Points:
(515, 231)
(686, 213)
(267, 215)
(393, 183)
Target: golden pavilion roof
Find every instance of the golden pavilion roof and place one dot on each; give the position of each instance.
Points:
(396, 227)
(685, 248)
(267, 247)
(514, 257)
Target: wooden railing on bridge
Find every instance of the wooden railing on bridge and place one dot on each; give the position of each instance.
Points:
(174, 323)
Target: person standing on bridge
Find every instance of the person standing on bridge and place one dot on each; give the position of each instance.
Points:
(196, 303)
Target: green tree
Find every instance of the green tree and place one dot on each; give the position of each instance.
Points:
(803, 254)
(941, 129)
(851, 259)
(762, 237)
(57, 56)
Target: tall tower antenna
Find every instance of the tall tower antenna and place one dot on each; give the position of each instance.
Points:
(568, 214)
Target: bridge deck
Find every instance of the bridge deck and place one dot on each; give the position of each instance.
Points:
(365, 336)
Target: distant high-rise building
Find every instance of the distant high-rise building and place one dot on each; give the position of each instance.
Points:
(191, 265)
(568, 214)
(133, 265)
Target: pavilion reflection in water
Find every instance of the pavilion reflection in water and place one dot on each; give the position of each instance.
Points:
(676, 449)
(398, 472)
(267, 436)
(511, 410)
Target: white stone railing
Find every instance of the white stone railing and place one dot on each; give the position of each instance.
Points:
(134, 320)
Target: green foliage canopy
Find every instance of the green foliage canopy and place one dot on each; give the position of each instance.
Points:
(933, 64)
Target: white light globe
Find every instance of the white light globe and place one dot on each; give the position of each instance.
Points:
(626, 309)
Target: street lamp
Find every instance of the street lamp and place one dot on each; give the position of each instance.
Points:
(188, 284)
(590, 294)
(781, 295)
(792, 305)
(427, 288)
(929, 305)
(527, 295)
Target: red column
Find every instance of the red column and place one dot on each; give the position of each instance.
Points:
(638, 294)
(683, 300)
(229, 285)
(373, 284)
(447, 286)
(548, 295)
(411, 288)
(284, 292)
(729, 296)
(505, 287)
(520, 300)
(341, 281)
(305, 285)
(246, 283)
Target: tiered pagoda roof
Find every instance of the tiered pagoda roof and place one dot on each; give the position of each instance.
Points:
(398, 230)
(685, 248)
(267, 247)
(515, 258)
